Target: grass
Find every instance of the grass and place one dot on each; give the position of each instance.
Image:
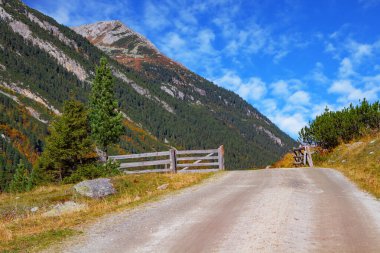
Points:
(24, 231)
(285, 162)
(358, 160)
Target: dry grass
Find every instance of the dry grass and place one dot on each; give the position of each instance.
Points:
(21, 230)
(285, 162)
(358, 160)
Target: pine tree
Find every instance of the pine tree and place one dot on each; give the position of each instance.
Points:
(69, 144)
(105, 119)
(20, 181)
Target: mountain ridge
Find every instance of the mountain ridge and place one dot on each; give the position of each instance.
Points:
(43, 63)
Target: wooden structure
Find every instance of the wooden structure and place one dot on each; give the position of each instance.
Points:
(176, 160)
(302, 156)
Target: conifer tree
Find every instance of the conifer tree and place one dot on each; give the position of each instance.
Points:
(20, 181)
(69, 144)
(105, 118)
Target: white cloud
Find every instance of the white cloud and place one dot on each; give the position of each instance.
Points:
(349, 93)
(318, 75)
(290, 123)
(299, 97)
(155, 15)
(280, 88)
(204, 39)
(269, 105)
(346, 69)
(253, 89)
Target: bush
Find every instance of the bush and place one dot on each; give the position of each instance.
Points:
(92, 171)
(331, 128)
(21, 180)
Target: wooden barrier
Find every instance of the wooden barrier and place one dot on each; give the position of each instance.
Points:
(178, 160)
(302, 156)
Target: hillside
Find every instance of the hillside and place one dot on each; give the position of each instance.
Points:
(43, 63)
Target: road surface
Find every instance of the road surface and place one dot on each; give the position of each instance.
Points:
(273, 210)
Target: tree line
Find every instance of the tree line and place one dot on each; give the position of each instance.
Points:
(331, 128)
(77, 137)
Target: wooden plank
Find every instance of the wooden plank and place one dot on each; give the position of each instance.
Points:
(146, 171)
(190, 152)
(197, 158)
(199, 170)
(131, 156)
(145, 163)
(198, 161)
(196, 164)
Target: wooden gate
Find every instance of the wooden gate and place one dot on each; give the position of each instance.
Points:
(174, 161)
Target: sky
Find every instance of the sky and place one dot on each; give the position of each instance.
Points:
(288, 58)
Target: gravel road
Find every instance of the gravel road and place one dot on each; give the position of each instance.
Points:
(273, 210)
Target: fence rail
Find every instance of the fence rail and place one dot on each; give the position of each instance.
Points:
(175, 159)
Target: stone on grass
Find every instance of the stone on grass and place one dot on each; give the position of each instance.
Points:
(163, 187)
(96, 188)
(64, 208)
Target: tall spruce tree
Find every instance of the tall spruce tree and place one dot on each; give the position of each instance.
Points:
(105, 118)
(69, 144)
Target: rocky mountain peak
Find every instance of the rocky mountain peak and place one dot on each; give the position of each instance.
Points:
(116, 37)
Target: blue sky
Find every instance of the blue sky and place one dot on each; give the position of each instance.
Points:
(288, 58)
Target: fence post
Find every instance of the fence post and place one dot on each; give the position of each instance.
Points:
(304, 156)
(309, 159)
(173, 161)
(221, 157)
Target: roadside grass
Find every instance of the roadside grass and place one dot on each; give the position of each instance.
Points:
(358, 160)
(285, 162)
(24, 231)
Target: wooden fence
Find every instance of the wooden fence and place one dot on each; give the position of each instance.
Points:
(175, 160)
(302, 156)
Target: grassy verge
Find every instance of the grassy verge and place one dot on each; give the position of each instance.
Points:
(358, 160)
(24, 231)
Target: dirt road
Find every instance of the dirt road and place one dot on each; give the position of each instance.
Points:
(292, 210)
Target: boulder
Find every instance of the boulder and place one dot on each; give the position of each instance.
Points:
(96, 188)
(64, 208)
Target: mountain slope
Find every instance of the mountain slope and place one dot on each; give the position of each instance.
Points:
(43, 63)
(167, 77)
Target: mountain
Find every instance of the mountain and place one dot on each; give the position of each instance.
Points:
(43, 63)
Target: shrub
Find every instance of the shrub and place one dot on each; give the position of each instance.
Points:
(330, 128)
(92, 171)
(21, 179)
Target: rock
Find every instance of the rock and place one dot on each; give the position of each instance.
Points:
(162, 187)
(34, 209)
(96, 188)
(64, 208)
